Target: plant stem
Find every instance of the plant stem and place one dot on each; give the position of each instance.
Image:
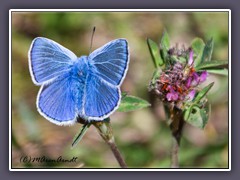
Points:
(105, 130)
(117, 153)
(176, 127)
(174, 153)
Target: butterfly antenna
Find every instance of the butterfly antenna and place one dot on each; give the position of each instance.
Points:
(94, 28)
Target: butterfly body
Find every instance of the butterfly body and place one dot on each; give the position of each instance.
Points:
(71, 86)
(80, 69)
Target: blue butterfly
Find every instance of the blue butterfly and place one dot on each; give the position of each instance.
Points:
(71, 86)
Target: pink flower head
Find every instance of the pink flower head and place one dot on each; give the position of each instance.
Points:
(191, 95)
(189, 82)
(178, 83)
(203, 76)
(190, 60)
(196, 79)
(172, 96)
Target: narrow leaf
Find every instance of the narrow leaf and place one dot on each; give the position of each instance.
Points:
(218, 71)
(212, 65)
(197, 46)
(202, 93)
(155, 77)
(207, 52)
(187, 113)
(165, 41)
(165, 46)
(132, 103)
(80, 135)
(155, 53)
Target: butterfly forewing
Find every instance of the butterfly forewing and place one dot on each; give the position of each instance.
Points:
(48, 60)
(111, 61)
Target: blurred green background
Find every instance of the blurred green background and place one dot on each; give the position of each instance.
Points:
(142, 136)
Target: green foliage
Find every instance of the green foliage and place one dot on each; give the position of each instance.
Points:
(197, 46)
(155, 76)
(78, 137)
(164, 46)
(203, 57)
(132, 103)
(139, 151)
(165, 41)
(207, 51)
(197, 113)
(211, 65)
(160, 56)
(202, 93)
(215, 67)
(197, 116)
(218, 71)
(154, 51)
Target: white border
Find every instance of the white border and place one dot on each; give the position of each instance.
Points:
(117, 10)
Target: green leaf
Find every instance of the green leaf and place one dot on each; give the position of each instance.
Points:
(165, 46)
(174, 58)
(202, 93)
(207, 52)
(187, 113)
(218, 71)
(155, 53)
(212, 65)
(197, 46)
(155, 77)
(78, 137)
(182, 60)
(196, 116)
(132, 103)
(207, 109)
(165, 41)
(124, 94)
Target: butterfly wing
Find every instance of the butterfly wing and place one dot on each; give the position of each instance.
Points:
(101, 98)
(109, 65)
(57, 101)
(111, 61)
(48, 60)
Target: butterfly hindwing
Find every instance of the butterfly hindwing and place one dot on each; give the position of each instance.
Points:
(56, 101)
(102, 98)
(48, 60)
